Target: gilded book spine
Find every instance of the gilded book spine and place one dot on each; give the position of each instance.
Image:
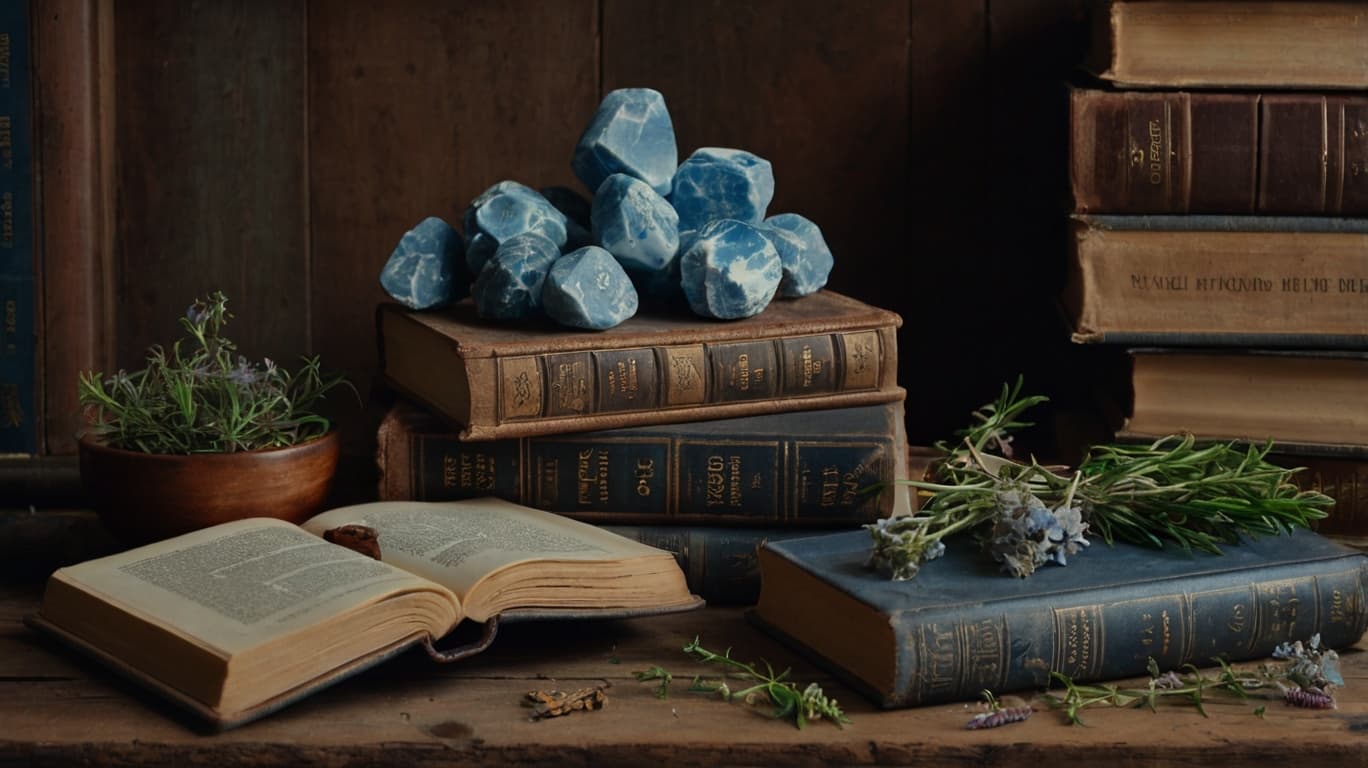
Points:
(803, 468)
(1156, 152)
(953, 657)
(582, 383)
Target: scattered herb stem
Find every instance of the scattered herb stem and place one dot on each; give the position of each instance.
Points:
(787, 700)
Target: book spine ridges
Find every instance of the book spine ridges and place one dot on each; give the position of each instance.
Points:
(19, 430)
(575, 384)
(954, 657)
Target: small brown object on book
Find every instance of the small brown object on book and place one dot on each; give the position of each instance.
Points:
(360, 538)
(518, 379)
(1258, 43)
(234, 621)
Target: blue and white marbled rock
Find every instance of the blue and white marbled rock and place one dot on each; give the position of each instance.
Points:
(635, 224)
(718, 183)
(587, 288)
(731, 271)
(803, 253)
(630, 133)
(503, 211)
(427, 268)
(509, 287)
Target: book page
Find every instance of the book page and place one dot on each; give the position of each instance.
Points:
(456, 543)
(236, 585)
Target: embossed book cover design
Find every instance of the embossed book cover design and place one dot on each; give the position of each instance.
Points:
(962, 626)
(789, 469)
(508, 380)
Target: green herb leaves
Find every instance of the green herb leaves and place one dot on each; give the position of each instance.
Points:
(751, 685)
(203, 397)
(1027, 515)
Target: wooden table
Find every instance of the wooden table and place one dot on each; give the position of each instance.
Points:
(58, 709)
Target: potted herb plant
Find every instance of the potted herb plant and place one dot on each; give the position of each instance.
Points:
(202, 435)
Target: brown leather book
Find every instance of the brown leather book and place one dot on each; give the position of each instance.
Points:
(1251, 44)
(500, 380)
(1229, 152)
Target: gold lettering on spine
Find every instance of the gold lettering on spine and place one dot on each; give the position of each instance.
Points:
(938, 656)
(1078, 641)
(862, 359)
(520, 390)
(686, 382)
(455, 474)
(716, 482)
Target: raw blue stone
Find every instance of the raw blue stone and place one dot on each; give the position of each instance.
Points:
(588, 288)
(630, 133)
(634, 223)
(717, 183)
(509, 287)
(731, 271)
(803, 252)
(426, 269)
(503, 211)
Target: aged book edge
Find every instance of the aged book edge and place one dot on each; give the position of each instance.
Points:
(1087, 606)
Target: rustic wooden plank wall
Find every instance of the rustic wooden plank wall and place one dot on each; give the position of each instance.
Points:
(279, 150)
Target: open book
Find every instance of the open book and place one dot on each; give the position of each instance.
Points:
(239, 619)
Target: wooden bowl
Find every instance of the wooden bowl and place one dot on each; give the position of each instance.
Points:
(144, 497)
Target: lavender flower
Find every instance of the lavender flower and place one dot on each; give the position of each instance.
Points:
(1026, 535)
(901, 546)
(1309, 665)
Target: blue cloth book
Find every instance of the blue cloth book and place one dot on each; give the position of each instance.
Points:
(962, 626)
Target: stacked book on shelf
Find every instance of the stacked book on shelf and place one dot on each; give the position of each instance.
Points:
(1220, 227)
(696, 436)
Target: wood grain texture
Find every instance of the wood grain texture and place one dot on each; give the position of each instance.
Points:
(58, 709)
(73, 128)
(415, 107)
(211, 163)
(817, 88)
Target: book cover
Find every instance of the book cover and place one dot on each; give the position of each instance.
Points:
(720, 564)
(1260, 44)
(1198, 280)
(1157, 152)
(784, 469)
(502, 379)
(961, 626)
(19, 366)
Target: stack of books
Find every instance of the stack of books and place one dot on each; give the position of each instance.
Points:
(1219, 172)
(700, 437)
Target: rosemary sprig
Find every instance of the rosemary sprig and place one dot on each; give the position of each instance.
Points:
(1027, 514)
(802, 706)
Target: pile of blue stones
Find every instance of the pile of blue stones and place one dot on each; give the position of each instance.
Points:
(657, 231)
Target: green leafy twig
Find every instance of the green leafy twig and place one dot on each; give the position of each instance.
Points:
(1027, 514)
(787, 700)
(1306, 678)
